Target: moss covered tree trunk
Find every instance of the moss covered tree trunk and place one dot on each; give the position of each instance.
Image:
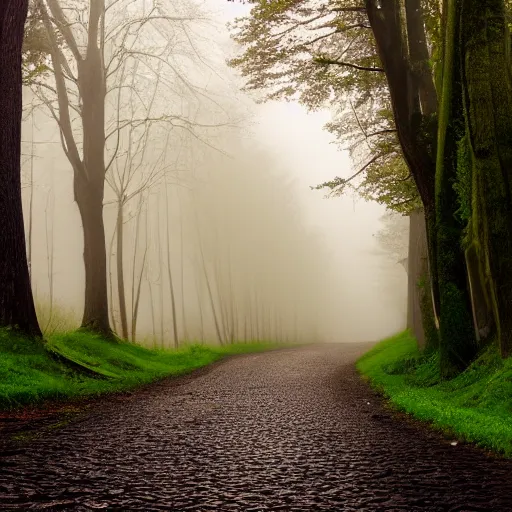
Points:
(457, 343)
(480, 296)
(488, 107)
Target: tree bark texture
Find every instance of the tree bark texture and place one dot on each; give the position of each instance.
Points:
(419, 57)
(90, 204)
(485, 51)
(480, 296)
(457, 340)
(420, 313)
(392, 47)
(89, 182)
(16, 302)
(401, 46)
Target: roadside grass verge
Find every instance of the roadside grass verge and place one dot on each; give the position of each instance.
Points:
(82, 364)
(475, 406)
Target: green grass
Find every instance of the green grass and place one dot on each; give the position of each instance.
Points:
(475, 406)
(82, 364)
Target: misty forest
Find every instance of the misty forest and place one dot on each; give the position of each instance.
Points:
(320, 190)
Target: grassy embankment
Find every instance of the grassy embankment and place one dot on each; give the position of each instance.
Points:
(81, 364)
(476, 406)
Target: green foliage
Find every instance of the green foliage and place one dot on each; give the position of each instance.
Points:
(83, 364)
(291, 50)
(463, 183)
(475, 406)
(386, 180)
(36, 48)
(324, 54)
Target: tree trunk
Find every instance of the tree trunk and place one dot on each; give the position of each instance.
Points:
(136, 291)
(89, 178)
(50, 260)
(433, 285)
(135, 313)
(220, 297)
(208, 285)
(392, 47)
(410, 91)
(110, 285)
(169, 272)
(89, 198)
(31, 199)
(16, 302)
(423, 82)
(257, 322)
(420, 312)
(480, 298)
(457, 340)
(200, 308)
(488, 107)
(120, 269)
(182, 279)
(212, 301)
(161, 272)
(420, 57)
(152, 308)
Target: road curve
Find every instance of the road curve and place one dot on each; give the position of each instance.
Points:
(290, 430)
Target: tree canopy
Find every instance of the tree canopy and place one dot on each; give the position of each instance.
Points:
(324, 54)
(36, 46)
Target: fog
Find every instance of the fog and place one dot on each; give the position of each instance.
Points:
(222, 237)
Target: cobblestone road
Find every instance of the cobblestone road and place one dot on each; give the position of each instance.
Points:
(289, 430)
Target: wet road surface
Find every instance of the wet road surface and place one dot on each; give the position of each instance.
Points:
(289, 430)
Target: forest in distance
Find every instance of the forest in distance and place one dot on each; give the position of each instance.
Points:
(204, 237)
(156, 232)
(199, 243)
(183, 236)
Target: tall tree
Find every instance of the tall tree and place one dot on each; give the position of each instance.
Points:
(455, 319)
(36, 49)
(16, 301)
(89, 168)
(485, 149)
(129, 176)
(94, 45)
(402, 48)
